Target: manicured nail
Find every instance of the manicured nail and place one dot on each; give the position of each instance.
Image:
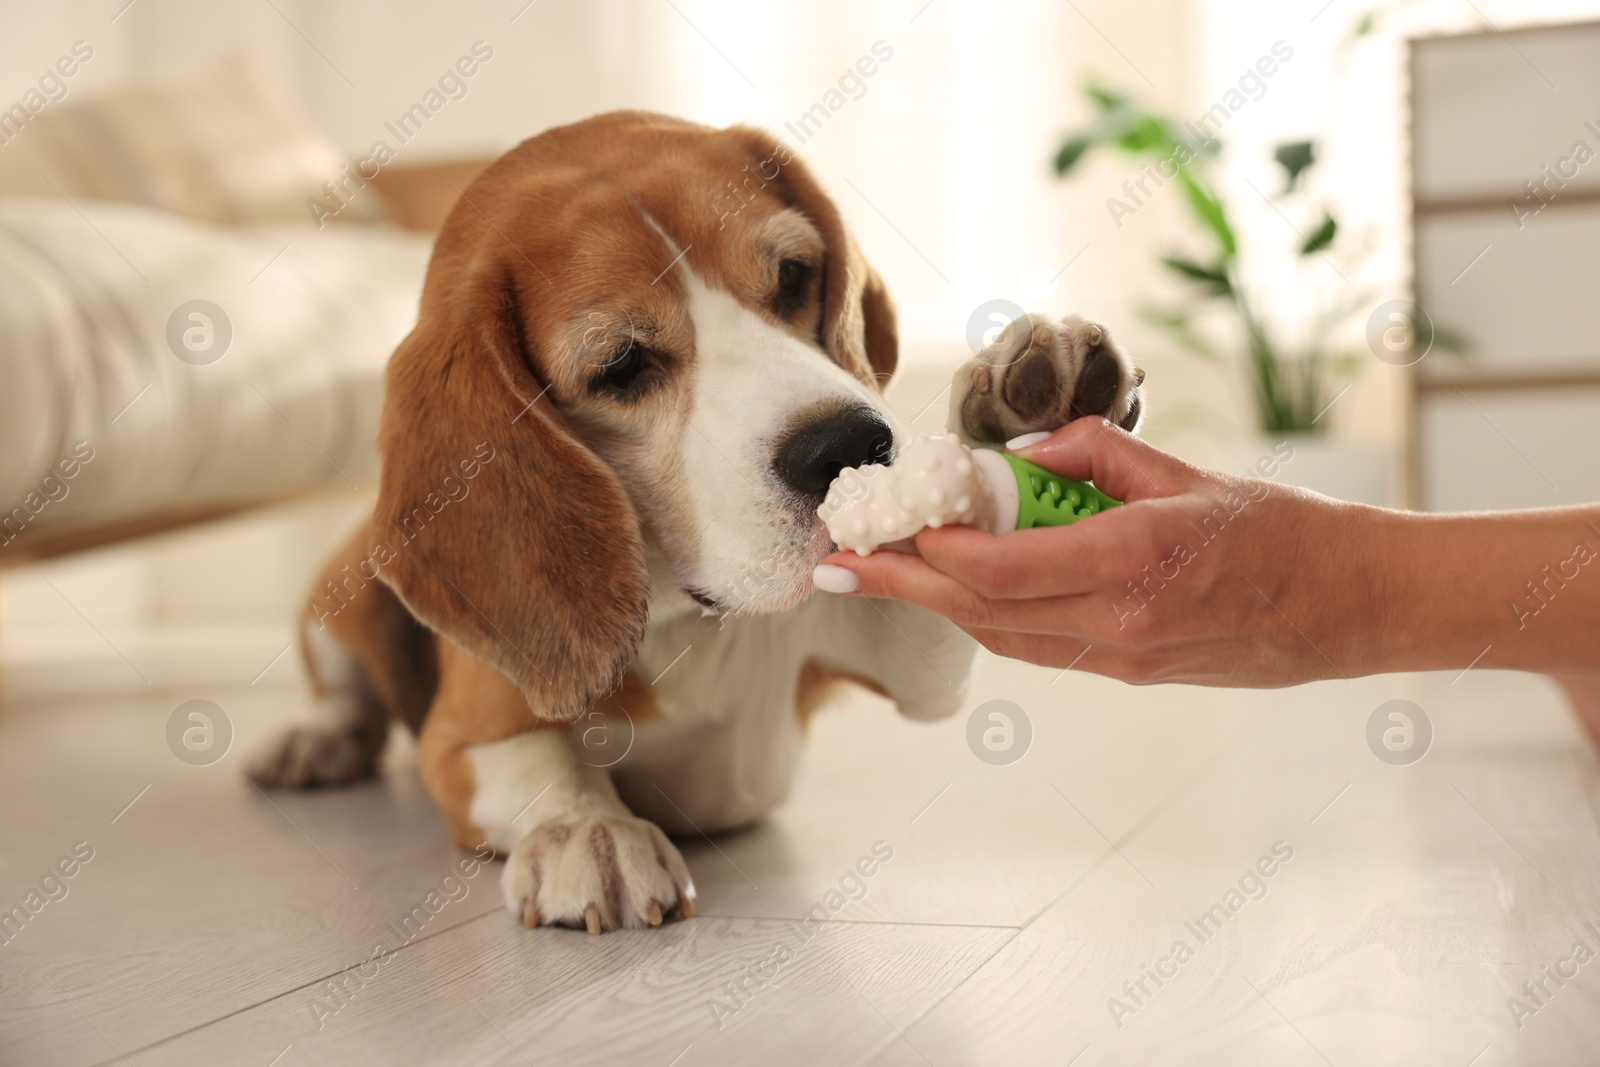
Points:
(831, 579)
(1026, 439)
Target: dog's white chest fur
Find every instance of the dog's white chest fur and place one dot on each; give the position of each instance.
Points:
(727, 743)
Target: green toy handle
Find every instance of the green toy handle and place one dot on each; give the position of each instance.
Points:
(1045, 498)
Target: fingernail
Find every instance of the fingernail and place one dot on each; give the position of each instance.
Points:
(1027, 439)
(831, 579)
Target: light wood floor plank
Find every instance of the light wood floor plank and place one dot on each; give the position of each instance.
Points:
(974, 843)
(204, 896)
(1018, 901)
(1405, 920)
(488, 992)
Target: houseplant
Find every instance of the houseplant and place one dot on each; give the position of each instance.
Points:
(1294, 369)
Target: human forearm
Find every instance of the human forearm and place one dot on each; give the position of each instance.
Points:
(1211, 579)
(1509, 590)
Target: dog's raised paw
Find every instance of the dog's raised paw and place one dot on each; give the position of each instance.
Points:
(1041, 373)
(598, 872)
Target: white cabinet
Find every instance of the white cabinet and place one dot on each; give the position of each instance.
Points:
(1506, 210)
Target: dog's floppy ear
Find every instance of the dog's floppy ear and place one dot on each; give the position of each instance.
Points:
(507, 535)
(858, 319)
(880, 336)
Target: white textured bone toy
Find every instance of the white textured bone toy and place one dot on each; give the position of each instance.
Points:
(938, 481)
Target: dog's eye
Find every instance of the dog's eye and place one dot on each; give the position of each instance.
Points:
(626, 374)
(794, 286)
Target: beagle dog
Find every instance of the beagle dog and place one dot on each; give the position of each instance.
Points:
(586, 584)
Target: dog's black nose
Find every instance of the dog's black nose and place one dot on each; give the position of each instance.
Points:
(813, 454)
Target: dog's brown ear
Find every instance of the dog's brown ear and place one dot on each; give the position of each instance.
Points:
(505, 533)
(879, 332)
(858, 318)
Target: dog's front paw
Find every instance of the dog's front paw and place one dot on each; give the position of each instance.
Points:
(316, 755)
(603, 872)
(1040, 374)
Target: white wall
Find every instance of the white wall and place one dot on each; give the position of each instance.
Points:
(950, 142)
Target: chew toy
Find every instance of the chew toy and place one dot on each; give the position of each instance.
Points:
(938, 481)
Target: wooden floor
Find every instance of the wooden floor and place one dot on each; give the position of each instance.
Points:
(1414, 901)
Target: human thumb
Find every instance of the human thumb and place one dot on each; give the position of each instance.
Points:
(1118, 463)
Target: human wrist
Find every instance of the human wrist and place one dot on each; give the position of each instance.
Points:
(1428, 609)
(1387, 576)
(1373, 574)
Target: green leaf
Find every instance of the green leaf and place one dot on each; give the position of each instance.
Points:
(1214, 277)
(1322, 238)
(1366, 25)
(1210, 211)
(1109, 99)
(1071, 152)
(1295, 157)
(1451, 341)
(1145, 133)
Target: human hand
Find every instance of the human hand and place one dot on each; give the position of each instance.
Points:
(1200, 577)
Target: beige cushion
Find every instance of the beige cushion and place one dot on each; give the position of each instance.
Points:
(91, 306)
(218, 147)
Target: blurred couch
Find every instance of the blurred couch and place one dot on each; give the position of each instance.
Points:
(179, 337)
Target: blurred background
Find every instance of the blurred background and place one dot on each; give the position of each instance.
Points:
(1366, 231)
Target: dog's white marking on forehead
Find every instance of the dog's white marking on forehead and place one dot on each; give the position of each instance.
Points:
(742, 346)
(752, 381)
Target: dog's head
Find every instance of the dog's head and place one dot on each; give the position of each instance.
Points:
(671, 345)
